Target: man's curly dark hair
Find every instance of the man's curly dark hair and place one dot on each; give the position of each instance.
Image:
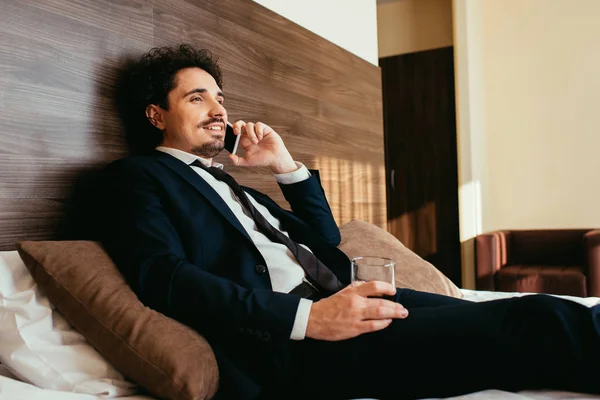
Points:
(149, 81)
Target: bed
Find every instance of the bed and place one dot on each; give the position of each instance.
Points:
(40, 320)
(59, 60)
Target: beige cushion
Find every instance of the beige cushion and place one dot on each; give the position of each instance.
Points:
(167, 358)
(360, 238)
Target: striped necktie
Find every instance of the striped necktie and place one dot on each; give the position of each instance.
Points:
(317, 273)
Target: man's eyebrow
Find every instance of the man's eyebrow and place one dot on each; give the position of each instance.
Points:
(202, 90)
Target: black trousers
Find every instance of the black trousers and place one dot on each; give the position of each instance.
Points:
(447, 347)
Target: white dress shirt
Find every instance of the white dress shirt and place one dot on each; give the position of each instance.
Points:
(284, 270)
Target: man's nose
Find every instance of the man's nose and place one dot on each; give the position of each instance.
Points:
(218, 110)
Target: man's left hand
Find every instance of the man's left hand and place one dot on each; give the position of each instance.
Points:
(263, 147)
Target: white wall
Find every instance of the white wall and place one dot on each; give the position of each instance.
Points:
(408, 26)
(528, 98)
(350, 24)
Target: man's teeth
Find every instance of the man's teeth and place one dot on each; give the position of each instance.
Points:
(214, 128)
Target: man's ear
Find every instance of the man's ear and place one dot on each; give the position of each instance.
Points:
(154, 114)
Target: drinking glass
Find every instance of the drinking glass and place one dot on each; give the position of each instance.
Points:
(369, 268)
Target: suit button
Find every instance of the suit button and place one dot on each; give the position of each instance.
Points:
(261, 269)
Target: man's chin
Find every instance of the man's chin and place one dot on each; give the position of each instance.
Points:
(209, 150)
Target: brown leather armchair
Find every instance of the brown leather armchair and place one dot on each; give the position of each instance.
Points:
(555, 261)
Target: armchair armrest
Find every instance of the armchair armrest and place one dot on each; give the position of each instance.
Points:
(592, 248)
(491, 254)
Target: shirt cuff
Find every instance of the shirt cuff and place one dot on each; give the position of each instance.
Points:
(299, 175)
(301, 321)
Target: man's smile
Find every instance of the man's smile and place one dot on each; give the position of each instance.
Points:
(216, 126)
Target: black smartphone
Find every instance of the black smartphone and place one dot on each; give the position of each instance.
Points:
(231, 139)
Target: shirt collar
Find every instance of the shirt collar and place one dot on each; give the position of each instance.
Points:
(188, 158)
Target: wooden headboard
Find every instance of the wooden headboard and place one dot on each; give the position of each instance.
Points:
(59, 60)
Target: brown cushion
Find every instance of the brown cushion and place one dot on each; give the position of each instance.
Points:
(361, 238)
(165, 357)
(563, 280)
(547, 247)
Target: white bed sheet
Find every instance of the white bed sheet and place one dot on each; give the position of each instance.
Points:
(12, 389)
(482, 295)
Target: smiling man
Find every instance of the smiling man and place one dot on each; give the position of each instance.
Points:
(196, 120)
(268, 287)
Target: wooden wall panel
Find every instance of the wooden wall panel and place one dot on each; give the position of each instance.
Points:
(420, 134)
(59, 60)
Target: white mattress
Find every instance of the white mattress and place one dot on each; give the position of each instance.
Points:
(12, 389)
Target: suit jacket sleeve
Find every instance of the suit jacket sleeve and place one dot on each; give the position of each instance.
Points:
(139, 236)
(308, 202)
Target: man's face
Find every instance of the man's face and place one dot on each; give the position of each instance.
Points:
(196, 119)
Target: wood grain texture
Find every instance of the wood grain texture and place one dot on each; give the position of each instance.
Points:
(420, 135)
(59, 60)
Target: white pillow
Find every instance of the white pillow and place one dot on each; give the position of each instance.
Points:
(40, 347)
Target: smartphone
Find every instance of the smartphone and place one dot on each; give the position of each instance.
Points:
(231, 139)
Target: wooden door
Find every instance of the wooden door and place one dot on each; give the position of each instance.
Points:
(421, 155)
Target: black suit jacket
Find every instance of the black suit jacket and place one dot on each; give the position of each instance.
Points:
(186, 255)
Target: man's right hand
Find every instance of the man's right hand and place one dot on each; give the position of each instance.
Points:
(351, 312)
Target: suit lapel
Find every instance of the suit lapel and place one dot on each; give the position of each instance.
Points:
(203, 188)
